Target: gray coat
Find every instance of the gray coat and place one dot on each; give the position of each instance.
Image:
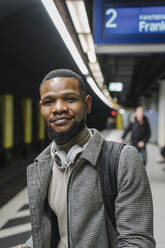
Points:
(88, 224)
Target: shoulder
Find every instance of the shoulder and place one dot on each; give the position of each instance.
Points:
(129, 153)
(130, 163)
(46, 153)
(31, 170)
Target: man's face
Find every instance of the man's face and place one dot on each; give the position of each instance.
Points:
(63, 104)
(140, 114)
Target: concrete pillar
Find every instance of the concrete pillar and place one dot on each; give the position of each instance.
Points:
(7, 116)
(27, 120)
(41, 126)
(119, 121)
(161, 114)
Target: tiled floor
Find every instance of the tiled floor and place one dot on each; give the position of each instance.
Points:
(15, 225)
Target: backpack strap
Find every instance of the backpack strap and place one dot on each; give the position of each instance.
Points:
(108, 174)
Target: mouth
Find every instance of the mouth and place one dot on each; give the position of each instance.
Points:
(61, 120)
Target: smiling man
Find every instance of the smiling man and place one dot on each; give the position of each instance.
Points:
(64, 105)
(64, 187)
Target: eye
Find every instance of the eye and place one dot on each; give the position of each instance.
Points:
(70, 99)
(46, 102)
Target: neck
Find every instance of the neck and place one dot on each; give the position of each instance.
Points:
(80, 139)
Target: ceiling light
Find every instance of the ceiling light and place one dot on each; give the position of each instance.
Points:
(100, 84)
(59, 24)
(80, 21)
(97, 74)
(79, 16)
(94, 66)
(106, 92)
(86, 41)
(90, 42)
(99, 81)
(97, 91)
(116, 86)
(91, 56)
(83, 43)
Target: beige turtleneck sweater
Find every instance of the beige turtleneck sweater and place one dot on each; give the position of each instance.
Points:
(57, 193)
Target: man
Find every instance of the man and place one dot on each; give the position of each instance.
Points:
(140, 132)
(65, 197)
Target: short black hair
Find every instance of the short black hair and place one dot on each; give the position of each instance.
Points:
(66, 73)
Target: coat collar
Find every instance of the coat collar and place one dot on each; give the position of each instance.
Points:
(90, 153)
(93, 148)
(45, 154)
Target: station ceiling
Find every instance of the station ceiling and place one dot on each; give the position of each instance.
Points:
(30, 46)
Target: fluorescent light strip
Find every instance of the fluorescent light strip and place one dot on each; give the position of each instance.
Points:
(59, 24)
(94, 67)
(79, 16)
(106, 93)
(99, 81)
(97, 91)
(86, 41)
(83, 42)
(75, 20)
(91, 42)
(97, 74)
(83, 16)
(92, 56)
(100, 84)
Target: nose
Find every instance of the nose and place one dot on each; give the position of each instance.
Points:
(59, 107)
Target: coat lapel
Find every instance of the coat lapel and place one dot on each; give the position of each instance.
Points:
(38, 177)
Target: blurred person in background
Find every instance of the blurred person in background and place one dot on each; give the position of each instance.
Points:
(140, 132)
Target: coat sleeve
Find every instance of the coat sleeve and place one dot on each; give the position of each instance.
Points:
(127, 130)
(133, 207)
(148, 133)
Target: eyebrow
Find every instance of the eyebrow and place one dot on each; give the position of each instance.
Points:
(49, 95)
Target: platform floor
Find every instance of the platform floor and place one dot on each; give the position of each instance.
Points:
(14, 215)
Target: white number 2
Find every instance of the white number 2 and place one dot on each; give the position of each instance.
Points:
(110, 23)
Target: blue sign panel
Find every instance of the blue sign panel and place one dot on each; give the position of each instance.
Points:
(128, 25)
(134, 20)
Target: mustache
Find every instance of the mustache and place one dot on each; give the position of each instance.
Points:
(60, 117)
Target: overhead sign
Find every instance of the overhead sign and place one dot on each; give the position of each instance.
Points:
(115, 25)
(139, 20)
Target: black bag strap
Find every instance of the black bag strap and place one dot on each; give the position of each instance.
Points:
(108, 174)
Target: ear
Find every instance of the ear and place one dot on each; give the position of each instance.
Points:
(88, 103)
